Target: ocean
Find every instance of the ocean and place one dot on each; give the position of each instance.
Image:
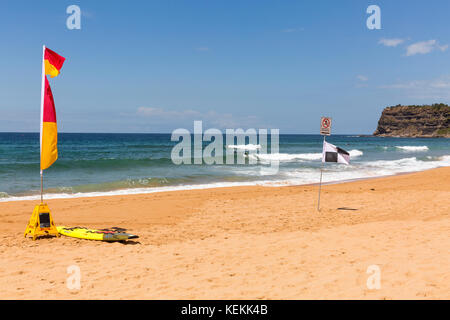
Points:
(94, 164)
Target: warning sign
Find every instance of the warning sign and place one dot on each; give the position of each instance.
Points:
(325, 126)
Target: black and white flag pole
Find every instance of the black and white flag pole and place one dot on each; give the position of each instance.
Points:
(320, 183)
(330, 153)
(325, 130)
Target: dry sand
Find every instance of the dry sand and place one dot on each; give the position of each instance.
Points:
(242, 243)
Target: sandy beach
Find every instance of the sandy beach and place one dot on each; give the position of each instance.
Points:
(242, 243)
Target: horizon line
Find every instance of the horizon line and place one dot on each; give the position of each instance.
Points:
(37, 132)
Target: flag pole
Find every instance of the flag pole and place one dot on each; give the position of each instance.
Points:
(320, 183)
(42, 119)
(42, 187)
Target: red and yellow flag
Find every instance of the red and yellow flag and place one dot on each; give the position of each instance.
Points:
(53, 62)
(49, 134)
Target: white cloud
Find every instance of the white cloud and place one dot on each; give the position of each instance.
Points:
(441, 84)
(362, 81)
(391, 42)
(424, 47)
(362, 78)
(87, 14)
(435, 89)
(443, 48)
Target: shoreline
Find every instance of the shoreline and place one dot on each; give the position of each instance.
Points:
(139, 191)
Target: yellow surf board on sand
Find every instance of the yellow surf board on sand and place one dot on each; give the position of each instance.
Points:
(112, 234)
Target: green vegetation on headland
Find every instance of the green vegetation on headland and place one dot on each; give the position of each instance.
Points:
(415, 121)
(443, 132)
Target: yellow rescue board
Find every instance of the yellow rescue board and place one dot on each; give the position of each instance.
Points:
(112, 234)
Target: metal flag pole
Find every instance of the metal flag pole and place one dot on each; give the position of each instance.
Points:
(320, 183)
(42, 119)
(325, 130)
(42, 187)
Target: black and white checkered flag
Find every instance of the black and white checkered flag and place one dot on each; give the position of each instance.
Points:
(331, 153)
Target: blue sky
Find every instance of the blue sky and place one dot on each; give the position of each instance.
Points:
(154, 66)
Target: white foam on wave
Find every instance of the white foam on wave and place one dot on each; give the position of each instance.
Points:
(413, 148)
(297, 156)
(355, 153)
(368, 169)
(407, 165)
(286, 156)
(334, 173)
(245, 146)
(133, 191)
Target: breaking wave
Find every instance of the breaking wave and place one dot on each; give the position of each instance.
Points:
(245, 146)
(413, 148)
(297, 156)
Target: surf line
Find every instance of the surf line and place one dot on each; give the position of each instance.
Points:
(183, 153)
(193, 310)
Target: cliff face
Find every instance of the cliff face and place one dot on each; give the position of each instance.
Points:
(415, 121)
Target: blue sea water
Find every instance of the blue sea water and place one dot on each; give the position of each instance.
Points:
(102, 164)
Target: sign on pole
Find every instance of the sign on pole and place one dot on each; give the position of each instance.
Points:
(325, 126)
(325, 130)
